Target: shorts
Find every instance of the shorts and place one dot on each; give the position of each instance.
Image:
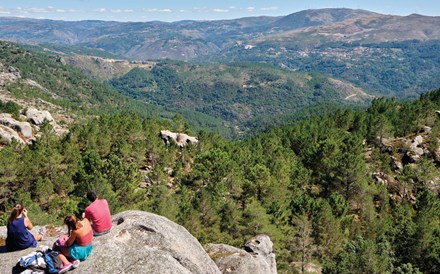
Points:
(101, 233)
(79, 252)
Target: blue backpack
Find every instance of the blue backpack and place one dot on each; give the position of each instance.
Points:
(53, 262)
(39, 261)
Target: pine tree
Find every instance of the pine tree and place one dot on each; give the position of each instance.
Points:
(302, 243)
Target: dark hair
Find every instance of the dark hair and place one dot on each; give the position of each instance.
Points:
(72, 222)
(91, 195)
(16, 211)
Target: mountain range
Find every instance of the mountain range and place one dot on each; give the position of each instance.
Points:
(383, 54)
(182, 40)
(187, 40)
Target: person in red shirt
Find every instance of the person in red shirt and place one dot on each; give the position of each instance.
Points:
(98, 213)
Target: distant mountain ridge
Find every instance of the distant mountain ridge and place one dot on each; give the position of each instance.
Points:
(182, 40)
(375, 28)
(317, 17)
(187, 40)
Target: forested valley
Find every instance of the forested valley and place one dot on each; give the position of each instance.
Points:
(328, 190)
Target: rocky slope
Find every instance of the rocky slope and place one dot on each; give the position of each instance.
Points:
(403, 152)
(257, 257)
(142, 242)
(25, 128)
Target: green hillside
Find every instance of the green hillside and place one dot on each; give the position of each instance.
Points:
(45, 77)
(403, 69)
(233, 100)
(242, 97)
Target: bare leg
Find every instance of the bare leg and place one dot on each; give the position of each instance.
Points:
(63, 259)
(38, 237)
(64, 251)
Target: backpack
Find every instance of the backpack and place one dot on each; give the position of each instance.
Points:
(33, 262)
(53, 262)
(40, 262)
(32, 259)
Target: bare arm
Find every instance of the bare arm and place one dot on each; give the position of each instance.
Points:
(71, 239)
(27, 222)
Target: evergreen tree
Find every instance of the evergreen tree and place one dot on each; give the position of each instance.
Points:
(302, 240)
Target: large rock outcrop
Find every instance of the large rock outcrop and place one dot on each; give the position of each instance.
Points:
(142, 242)
(9, 134)
(415, 150)
(23, 128)
(25, 132)
(13, 129)
(8, 74)
(256, 258)
(139, 242)
(181, 139)
(37, 117)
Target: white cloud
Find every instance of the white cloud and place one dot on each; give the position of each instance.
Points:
(250, 9)
(220, 10)
(157, 10)
(37, 10)
(101, 10)
(121, 11)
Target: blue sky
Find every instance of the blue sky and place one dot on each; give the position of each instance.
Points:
(175, 10)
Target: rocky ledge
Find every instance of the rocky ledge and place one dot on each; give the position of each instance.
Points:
(142, 242)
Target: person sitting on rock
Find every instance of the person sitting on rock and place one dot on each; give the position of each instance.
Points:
(98, 213)
(19, 237)
(79, 245)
